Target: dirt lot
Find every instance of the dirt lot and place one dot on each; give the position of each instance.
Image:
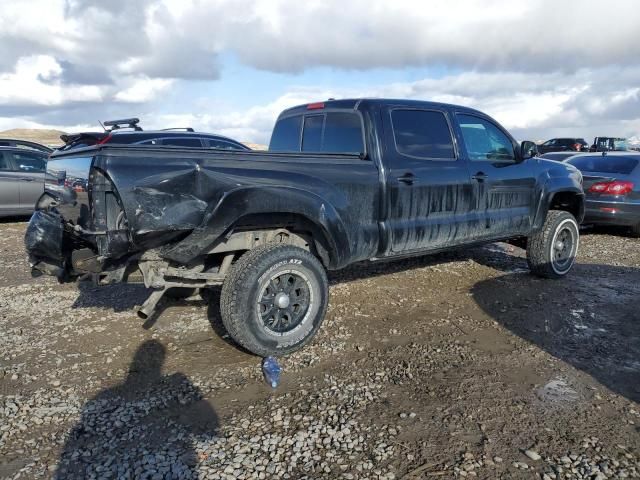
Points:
(457, 365)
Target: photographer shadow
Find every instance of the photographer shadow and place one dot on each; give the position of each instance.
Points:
(142, 428)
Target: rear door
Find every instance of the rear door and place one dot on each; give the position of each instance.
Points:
(503, 185)
(30, 167)
(429, 192)
(9, 186)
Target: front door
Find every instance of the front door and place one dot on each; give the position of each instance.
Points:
(429, 192)
(504, 185)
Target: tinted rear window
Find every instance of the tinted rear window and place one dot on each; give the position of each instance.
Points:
(422, 133)
(605, 164)
(286, 135)
(331, 132)
(342, 133)
(312, 133)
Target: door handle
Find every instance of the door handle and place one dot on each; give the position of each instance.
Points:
(408, 178)
(26, 179)
(480, 176)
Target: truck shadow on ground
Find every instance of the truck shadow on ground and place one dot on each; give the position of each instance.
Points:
(118, 297)
(126, 297)
(146, 425)
(492, 255)
(589, 319)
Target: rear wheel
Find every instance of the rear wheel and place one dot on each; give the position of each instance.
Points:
(551, 252)
(274, 299)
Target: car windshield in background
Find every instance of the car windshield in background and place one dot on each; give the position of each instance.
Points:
(621, 165)
(620, 145)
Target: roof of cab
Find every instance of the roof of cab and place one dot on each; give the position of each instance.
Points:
(358, 103)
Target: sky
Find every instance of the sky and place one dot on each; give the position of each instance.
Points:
(542, 68)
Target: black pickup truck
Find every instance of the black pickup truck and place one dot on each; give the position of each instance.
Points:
(343, 181)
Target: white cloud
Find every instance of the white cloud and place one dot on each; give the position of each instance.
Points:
(541, 67)
(171, 39)
(551, 105)
(35, 82)
(143, 90)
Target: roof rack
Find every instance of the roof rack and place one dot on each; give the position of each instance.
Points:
(186, 129)
(124, 123)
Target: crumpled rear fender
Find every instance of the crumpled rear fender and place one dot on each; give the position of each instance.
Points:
(235, 204)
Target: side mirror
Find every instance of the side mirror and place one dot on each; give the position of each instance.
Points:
(528, 149)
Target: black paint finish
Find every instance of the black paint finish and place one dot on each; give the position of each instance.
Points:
(378, 203)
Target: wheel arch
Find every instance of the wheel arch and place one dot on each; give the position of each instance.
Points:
(568, 199)
(267, 206)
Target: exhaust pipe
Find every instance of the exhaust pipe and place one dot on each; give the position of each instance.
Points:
(149, 307)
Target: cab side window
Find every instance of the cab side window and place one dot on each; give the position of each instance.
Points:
(485, 141)
(422, 134)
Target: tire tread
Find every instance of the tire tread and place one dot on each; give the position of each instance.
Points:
(538, 256)
(244, 271)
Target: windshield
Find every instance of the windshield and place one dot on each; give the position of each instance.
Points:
(619, 144)
(611, 143)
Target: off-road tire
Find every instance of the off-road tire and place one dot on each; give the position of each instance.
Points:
(244, 287)
(540, 246)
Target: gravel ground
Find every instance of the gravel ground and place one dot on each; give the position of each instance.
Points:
(449, 366)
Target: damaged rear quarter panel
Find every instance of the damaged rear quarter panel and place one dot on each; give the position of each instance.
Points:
(199, 194)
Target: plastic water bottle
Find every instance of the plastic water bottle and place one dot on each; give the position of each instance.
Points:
(271, 371)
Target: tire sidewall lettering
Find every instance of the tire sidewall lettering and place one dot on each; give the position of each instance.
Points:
(288, 339)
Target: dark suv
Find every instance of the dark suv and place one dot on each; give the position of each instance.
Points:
(564, 145)
(609, 144)
(128, 131)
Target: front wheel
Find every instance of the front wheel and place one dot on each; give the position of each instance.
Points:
(552, 251)
(274, 299)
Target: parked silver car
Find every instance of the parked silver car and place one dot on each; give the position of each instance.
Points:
(22, 171)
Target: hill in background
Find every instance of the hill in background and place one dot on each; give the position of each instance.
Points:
(40, 135)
